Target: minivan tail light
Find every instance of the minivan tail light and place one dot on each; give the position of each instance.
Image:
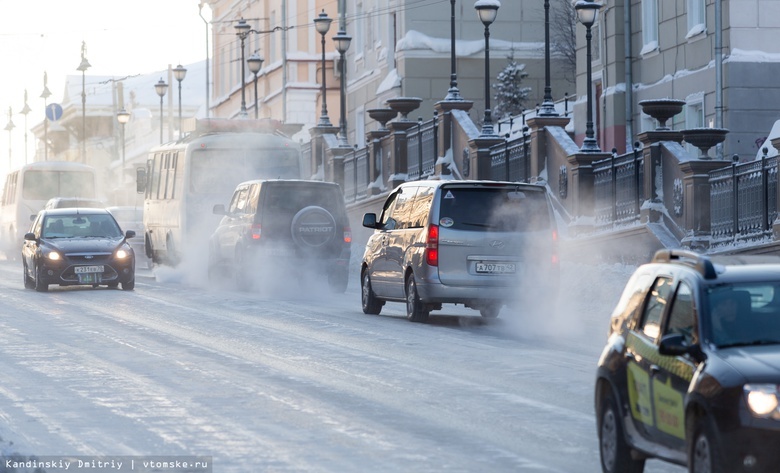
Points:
(347, 235)
(255, 231)
(432, 246)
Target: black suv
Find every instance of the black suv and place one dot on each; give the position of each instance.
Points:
(283, 227)
(691, 370)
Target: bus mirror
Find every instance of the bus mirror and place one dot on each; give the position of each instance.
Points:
(140, 180)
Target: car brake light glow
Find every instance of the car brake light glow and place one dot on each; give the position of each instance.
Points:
(432, 246)
(347, 235)
(555, 258)
(255, 231)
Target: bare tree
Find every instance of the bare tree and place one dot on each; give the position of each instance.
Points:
(563, 39)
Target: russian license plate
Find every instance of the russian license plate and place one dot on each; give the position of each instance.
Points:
(88, 269)
(496, 268)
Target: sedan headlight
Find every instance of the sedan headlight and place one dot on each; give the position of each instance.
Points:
(54, 256)
(122, 254)
(762, 399)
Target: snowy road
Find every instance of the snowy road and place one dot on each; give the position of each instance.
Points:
(302, 381)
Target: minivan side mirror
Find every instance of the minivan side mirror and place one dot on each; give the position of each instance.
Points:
(369, 220)
(219, 209)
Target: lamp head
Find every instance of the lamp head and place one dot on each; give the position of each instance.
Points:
(487, 10)
(255, 63)
(123, 116)
(161, 87)
(587, 11)
(322, 23)
(179, 72)
(342, 40)
(242, 28)
(84, 65)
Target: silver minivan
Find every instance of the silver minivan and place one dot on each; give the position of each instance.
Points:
(482, 244)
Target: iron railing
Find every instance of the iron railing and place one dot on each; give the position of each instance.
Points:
(509, 161)
(356, 178)
(618, 189)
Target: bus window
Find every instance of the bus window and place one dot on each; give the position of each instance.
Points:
(174, 172)
(167, 165)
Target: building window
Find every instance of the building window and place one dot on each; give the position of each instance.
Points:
(360, 35)
(697, 22)
(694, 117)
(649, 26)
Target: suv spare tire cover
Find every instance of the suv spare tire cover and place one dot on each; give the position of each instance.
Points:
(313, 227)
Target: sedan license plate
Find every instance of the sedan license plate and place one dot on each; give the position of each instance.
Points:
(88, 269)
(496, 268)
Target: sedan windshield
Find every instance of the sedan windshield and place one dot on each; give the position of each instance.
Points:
(744, 314)
(81, 226)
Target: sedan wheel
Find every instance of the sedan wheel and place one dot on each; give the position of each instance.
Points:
(371, 305)
(29, 283)
(40, 286)
(129, 285)
(416, 311)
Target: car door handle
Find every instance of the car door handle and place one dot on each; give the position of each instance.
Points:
(655, 369)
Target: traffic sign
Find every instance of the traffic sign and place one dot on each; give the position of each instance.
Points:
(53, 112)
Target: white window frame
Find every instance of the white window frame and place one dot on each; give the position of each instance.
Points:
(697, 17)
(649, 26)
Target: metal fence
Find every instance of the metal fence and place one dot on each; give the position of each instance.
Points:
(421, 149)
(306, 160)
(618, 189)
(509, 161)
(356, 178)
(743, 200)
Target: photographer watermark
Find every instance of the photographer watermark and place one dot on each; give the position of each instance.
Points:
(106, 464)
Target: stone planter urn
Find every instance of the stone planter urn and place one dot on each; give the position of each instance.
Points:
(404, 105)
(704, 138)
(382, 115)
(662, 110)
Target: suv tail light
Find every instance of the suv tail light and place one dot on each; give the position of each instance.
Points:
(255, 231)
(432, 246)
(347, 235)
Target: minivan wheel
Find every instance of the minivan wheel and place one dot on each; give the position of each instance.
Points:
(371, 305)
(615, 452)
(416, 311)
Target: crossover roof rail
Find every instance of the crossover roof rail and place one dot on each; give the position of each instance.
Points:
(700, 263)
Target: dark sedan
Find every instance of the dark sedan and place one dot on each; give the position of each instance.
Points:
(77, 246)
(691, 371)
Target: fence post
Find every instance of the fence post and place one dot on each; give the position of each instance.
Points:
(613, 177)
(637, 192)
(764, 192)
(735, 196)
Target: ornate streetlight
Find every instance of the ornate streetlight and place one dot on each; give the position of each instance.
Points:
(242, 31)
(342, 40)
(161, 87)
(45, 95)
(453, 93)
(322, 24)
(548, 107)
(255, 64)
(24, 112)
(123, 116)
(487, 11)
(83, 68)
(587, 11)
(179, 72)
(10, 126)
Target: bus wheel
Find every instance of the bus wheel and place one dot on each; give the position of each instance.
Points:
(148, 247)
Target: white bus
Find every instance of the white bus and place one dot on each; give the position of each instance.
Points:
(183, 180)
(28, 189)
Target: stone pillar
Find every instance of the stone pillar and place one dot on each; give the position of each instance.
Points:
(538, 145)
(696, 202)
(445, 108)
(480, 156)
(318, 145)
(651, 153)
(399, 159)
(581, 189)
(336, 156)
(375, 161)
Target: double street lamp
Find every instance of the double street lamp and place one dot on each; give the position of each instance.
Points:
(322, 24)
(123, 116)
(342, 40)
(487, 11)
(83, 68)
(587, 12)
(179, 72)
(243, 30)
(161, 87)
(255, 63)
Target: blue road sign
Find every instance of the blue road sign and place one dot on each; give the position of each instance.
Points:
(53, 112)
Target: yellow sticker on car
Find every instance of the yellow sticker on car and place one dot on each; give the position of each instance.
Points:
(668, 409)
(639, 394)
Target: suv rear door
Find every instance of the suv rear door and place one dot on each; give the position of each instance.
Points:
(492, 234)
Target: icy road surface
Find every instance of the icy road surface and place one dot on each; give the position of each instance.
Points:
(301, 380)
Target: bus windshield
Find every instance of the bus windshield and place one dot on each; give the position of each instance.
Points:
(218, 171)
(43, 185)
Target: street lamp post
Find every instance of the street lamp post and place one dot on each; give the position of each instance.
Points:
(123, 116)
(587, 11)
(322, 23)
(10, 126)
(161, 87)
(255, 64)
(24, 112)
(453, 93)
(342, 40)
(487, 11)
(179, 72)
(548, 107)
(242, 31)
(83, 68)
(45, 95)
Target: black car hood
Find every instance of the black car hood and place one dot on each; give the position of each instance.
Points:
(84, 245)
(754, 361)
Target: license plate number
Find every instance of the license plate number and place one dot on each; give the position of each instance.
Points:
(496, 268)
(88, 269)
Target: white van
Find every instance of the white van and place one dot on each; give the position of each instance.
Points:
(476, 243)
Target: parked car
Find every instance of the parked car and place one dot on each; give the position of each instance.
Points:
(690, 373)
(272, 226)
(77, 246)
(132, 218)
(62, 202)
(476, 243)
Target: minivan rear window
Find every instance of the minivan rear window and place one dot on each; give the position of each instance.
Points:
(493, 209)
